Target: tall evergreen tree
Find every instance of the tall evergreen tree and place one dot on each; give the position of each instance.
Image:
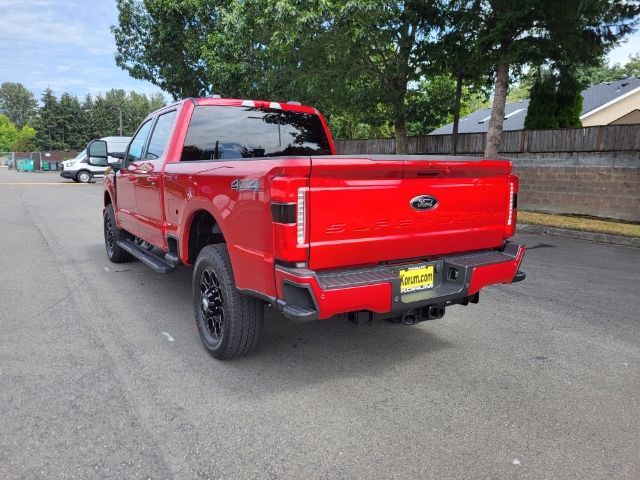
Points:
(569, 100)
(46, 123)
(543, 102)
(69, 123)
(88, 106)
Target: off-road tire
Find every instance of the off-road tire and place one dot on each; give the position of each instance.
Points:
(114, 252)
(84, 176)
(242, 316)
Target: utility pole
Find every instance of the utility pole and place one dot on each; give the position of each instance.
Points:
(119, 117)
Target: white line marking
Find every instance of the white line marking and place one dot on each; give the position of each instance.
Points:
(43, 183)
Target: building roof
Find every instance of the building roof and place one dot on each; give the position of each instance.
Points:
(594, 97)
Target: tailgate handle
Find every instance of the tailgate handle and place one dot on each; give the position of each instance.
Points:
(429, 174)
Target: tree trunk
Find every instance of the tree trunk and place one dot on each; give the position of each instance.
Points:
(400, 116)
(456, 114)
(494, 132)
(400, 127)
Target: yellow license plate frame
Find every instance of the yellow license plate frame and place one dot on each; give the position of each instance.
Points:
(417, 278)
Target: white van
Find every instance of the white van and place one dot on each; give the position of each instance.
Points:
(79, 170)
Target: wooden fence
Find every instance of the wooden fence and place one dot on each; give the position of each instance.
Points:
(589, 139)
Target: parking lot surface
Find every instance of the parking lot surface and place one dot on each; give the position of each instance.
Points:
(102, 373)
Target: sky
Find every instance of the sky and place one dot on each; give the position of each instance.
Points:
(67, 45)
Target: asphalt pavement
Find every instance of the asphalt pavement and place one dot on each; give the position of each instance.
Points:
(102, 373)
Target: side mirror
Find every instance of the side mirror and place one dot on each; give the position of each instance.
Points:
(97, 154)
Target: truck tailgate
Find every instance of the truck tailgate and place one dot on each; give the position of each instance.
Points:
(360, 209)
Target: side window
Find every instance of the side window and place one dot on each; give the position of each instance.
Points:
(160, 135)
(137, 144)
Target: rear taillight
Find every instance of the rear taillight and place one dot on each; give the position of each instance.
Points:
(512, 209)
(289, 202)
(511, 194)
(301, 217)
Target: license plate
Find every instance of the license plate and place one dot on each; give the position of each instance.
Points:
(417, 279)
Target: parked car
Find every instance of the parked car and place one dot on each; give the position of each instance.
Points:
(79, 170)
(254, 197)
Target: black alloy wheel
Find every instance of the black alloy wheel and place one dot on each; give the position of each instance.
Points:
(229, 322)
(112, 235)
(108, 235)
(211, 304)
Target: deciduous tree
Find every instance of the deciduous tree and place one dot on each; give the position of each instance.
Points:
(17, 103)
(459, 54)
(565, 32)
(603, 72)
(161, 41)
(24, 141)
(337, 55)
(8, 134)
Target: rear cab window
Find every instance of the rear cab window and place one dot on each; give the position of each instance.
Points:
(236, 133)
(160, 136)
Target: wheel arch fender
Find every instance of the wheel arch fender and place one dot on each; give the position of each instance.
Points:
(201, 225)
(109, 196)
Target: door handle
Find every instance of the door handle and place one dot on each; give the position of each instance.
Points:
(152, 178)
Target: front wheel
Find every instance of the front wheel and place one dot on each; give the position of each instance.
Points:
(229, 322)
(112, 235)
(83, 176)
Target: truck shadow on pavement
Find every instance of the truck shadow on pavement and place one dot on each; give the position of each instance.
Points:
(289, 355)
(318, 352)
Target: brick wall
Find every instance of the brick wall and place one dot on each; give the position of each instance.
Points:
(597, 184)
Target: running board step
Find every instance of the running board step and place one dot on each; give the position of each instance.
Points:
(172, 259)
(160, 265)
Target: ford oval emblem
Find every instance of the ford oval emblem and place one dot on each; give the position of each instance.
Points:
(424, 202)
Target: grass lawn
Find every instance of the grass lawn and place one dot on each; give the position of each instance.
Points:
(580, 223)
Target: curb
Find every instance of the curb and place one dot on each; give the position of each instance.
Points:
(581, 235)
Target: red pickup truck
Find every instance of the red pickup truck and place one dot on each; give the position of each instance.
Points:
(253, 196)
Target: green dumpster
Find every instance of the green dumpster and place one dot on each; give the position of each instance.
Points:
(24, 165)
(45, 166)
